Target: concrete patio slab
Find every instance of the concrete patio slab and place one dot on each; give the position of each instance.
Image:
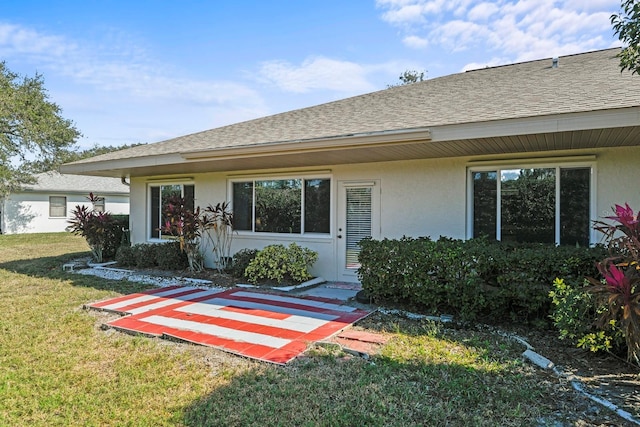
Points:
(334, 290)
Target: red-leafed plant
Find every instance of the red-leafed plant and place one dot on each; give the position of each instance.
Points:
(619, 288)
(191, 226)
(188, 226)
(94, 226)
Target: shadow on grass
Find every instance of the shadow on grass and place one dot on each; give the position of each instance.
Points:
(333, 391)
(51, 268)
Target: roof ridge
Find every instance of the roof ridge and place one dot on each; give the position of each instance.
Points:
(531, 61)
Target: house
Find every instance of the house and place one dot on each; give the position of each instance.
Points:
(531, 151)
(46, 205)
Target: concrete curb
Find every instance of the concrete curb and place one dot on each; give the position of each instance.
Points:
(307, 284)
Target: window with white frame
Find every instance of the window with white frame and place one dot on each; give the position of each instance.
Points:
(159, 196)
(57, 206)
(550, 204)
(298, 205)
(99, 204)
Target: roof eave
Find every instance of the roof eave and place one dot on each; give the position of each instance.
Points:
(362, 148)
(586, 120)
(338, 142)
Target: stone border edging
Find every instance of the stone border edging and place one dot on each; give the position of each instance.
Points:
(535, 358)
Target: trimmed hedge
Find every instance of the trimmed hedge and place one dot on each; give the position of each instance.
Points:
(166, 256)
(472, 279)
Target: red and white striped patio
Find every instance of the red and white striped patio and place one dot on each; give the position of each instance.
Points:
(264, 326)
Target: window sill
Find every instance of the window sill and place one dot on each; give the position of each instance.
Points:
(284, 237)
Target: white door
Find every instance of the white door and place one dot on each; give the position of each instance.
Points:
(358, 217)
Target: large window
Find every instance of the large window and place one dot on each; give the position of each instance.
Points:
(159, 197)
(290, 206)
(57, 206)
(544, 205)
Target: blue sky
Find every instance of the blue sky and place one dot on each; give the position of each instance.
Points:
(141, 71)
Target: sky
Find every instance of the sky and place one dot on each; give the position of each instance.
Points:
(141, 71)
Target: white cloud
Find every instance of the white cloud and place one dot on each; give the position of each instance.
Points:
(519, 29)
(117, 93)
(317, 73)
(405, 14)
(493, 62)
(18, 40)
(482, 11)
(611, 5)
(119, 66)
(459, 35)
(415, 42)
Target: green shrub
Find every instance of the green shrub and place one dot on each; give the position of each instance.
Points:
(241, 261)
(168, 256)
(575, 313)
(125, 257)
(472, 279)
(278, 263)
(144, 255)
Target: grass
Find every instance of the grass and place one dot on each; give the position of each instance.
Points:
(57, 367)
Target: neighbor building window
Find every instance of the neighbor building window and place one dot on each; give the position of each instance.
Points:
(99, 204)
(57, 206)
(159, 198)
(542, 204)
(289, 206)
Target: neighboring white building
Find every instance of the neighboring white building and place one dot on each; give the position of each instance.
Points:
(532, 151)
(46, 205)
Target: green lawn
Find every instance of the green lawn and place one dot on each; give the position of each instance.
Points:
(57, 367)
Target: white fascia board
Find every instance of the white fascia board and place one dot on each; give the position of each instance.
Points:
(342, 142)
(589, 120)
(85, 168)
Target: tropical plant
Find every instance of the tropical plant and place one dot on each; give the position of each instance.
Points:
(94, 226)
(619, 287)
(219, 222)
(187, 226)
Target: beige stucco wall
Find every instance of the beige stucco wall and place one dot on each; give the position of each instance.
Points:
(618, 179)
(418, 198)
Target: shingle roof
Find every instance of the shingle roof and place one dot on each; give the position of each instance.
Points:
(68, 183)
(583, 82)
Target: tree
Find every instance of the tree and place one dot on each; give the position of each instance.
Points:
(408, 77)
(31, 127)
(626, 25)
